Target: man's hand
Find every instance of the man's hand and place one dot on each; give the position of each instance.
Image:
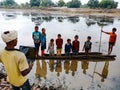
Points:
(30, 65)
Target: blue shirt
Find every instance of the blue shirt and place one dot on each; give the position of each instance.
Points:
(43, 39)
(68, 47)
(36, 36)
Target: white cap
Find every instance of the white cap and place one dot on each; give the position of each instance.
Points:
(8, 36)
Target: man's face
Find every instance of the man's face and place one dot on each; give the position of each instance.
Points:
(15, 42)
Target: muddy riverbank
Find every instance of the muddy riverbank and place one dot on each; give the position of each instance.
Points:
(69, 11)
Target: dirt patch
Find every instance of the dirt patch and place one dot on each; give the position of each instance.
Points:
(70, 11)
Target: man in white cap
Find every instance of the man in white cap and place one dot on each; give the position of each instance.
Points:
(15, 62)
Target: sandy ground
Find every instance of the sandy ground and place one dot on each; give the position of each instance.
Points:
(70, 11)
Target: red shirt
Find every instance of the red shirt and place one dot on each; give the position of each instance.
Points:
(75, 45)
(59, 43)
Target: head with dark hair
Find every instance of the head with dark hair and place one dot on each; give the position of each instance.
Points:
(89, 37)
(76, 37)
(36, 28)
(114, 30)
(59, 35)
(51, 40)
(43, 30)
(68, 40)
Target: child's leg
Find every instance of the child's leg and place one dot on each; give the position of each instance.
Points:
(111, 48)
(86, 52)
(42, 52)
(52, 53)
(60, 52)
(57, 52)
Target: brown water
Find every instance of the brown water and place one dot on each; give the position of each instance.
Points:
(71, 74)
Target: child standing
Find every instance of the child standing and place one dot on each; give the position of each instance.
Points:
(59, 43)
(68, 47)
(75, 45)
(51, 47)
(36, 35)
(87, 45)
(112, 39)
(43, 41)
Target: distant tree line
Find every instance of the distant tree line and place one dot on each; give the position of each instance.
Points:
(109, 4)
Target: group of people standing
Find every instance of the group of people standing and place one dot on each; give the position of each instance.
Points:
(40, 38)
(15, 62)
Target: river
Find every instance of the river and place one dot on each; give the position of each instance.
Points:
(71, 74)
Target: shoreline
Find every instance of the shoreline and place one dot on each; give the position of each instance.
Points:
(68, 11)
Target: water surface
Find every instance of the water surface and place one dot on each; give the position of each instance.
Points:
(71, 74)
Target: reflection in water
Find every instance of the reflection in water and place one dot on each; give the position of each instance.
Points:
(26, 14)
(60, 19)
(38, 19)
(104, 73)
(48, 18)
(41, 69)
(73, 19)
(101, 20)
(51, 65)
(9, 15)
(67, 66)
(58, 68)
(84, 65)
(73, 66)
(78, 79)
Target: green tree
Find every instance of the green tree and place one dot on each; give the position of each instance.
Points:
(93, 3)
(35, 3)
(9, 3)
(61, 3)
(109, 4)
(25, 5)
(47, 3)
(74, 4)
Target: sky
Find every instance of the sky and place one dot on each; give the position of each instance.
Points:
(83, 1)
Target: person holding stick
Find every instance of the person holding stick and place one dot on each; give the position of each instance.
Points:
(112, 39)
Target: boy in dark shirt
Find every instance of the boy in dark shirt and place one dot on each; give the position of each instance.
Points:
(68, 47)
(75, 45)
(87, 45)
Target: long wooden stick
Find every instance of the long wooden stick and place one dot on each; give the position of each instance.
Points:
(100, 38)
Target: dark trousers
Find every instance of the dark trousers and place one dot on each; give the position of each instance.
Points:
(25, 86)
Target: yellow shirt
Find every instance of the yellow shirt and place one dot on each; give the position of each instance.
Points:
(14, 62)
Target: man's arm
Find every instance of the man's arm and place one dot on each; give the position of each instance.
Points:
(26, 71)
(23, 65)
